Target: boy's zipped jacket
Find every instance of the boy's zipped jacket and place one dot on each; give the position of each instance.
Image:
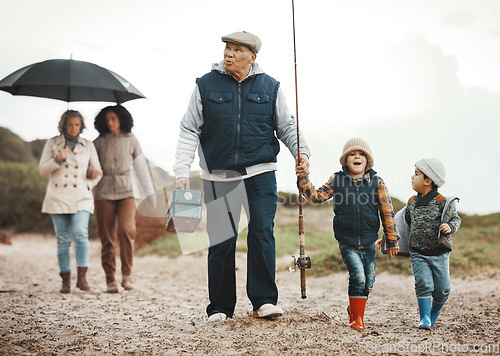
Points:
(356, 220)
(423, 217)
(357, 205)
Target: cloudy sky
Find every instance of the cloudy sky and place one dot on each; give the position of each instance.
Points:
(414, 78)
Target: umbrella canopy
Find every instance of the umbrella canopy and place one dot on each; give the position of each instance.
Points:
(69, 80)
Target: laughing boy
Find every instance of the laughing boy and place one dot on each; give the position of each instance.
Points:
(360, 201)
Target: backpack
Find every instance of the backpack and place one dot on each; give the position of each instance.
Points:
(404, 234)
(403, 227)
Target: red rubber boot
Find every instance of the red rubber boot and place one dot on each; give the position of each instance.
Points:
(357, 307)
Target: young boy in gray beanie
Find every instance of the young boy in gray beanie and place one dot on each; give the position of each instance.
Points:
(360, 201)
(431, 218)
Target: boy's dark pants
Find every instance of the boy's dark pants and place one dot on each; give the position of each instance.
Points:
(258, 196)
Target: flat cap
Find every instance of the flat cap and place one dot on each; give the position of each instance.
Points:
(244, 38)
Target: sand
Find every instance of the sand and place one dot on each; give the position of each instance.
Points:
(165, 315)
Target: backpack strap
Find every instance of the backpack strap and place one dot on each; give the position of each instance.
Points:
(440, 198)
(412, 199)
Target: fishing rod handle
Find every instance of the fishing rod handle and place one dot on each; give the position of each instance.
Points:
(303, 284)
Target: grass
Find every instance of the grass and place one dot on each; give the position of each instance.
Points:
(167, 245)
(287, 240)
(476, 244)
(475, 249)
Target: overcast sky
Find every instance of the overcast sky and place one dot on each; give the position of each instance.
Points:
(414, 78)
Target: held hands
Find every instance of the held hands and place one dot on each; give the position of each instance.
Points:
(182, 183)
(445, 228)
(95, 174)
(392, 251)
(302, 165)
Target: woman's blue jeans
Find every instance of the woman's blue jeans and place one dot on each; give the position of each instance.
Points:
(361, 266)
(67, 227)
(432, 275)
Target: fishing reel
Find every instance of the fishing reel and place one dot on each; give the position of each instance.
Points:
(302, 263)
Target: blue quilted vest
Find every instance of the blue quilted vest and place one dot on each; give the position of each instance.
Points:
(356, 221)
(238, 129)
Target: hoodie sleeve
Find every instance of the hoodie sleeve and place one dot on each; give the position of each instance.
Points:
(455, 220)
(189, 135)
(286, 127)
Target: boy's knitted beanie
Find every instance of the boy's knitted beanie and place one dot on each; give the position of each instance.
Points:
(355, 144)
(432, 168)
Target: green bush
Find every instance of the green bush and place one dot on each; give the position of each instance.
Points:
(469, 221)
(327, 261)
(22, 191)
(475, 249)
(13, 148)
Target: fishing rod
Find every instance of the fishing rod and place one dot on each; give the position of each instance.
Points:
(303, 262)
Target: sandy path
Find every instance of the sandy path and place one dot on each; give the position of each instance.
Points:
(165, 315)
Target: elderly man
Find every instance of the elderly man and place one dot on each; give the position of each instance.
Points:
(235, 115)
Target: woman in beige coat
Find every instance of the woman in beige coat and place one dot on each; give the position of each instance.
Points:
(73, 168)
(115, 195)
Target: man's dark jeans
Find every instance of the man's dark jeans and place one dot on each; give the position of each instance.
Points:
(258, 196)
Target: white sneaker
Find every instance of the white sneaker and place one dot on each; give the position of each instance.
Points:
(217, 317)
(267, 311)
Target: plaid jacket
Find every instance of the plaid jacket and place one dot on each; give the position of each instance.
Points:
(326, 192)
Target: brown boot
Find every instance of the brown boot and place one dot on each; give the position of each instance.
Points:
(127, 283)
(82, 280)
(66, 282)
(111, 285)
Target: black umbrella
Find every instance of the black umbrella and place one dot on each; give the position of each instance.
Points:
(69, 80)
